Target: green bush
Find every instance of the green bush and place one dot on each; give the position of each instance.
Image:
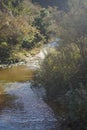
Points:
(41, 22)
(64, 76)
(77, 108)
(4, 52)
(58, 68)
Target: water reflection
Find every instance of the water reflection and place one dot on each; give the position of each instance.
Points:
(6, 101)
(16, 73)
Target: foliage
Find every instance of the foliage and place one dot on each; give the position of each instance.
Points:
(16, 29)
(61, 66)
(64, 76)
(13, 7)
(64, 73)
(41, 23)
(77, 108)
(4, 51)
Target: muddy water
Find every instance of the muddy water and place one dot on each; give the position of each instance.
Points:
(20, 107)
(16, 73)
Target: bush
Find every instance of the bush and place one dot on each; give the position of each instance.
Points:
(4, 52)
(77, 108)
(59, 66)
(64, 76)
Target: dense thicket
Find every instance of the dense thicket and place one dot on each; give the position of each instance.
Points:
(22, 26)
(64, 71)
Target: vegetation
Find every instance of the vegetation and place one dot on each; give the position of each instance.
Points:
(64, 72)
(22, 27)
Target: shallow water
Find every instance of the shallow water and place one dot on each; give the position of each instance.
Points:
(16, 73)
(20, 107)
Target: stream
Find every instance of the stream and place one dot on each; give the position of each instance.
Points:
(21, 108)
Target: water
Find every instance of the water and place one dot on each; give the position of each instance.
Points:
(16, 73)
(48, 48)
(20, 107)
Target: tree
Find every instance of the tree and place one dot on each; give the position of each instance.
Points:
(13, 7)
(42, 23)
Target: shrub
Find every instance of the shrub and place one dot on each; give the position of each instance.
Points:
(4, 52)
(77, 108)
(57, 69)
(64, 76)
